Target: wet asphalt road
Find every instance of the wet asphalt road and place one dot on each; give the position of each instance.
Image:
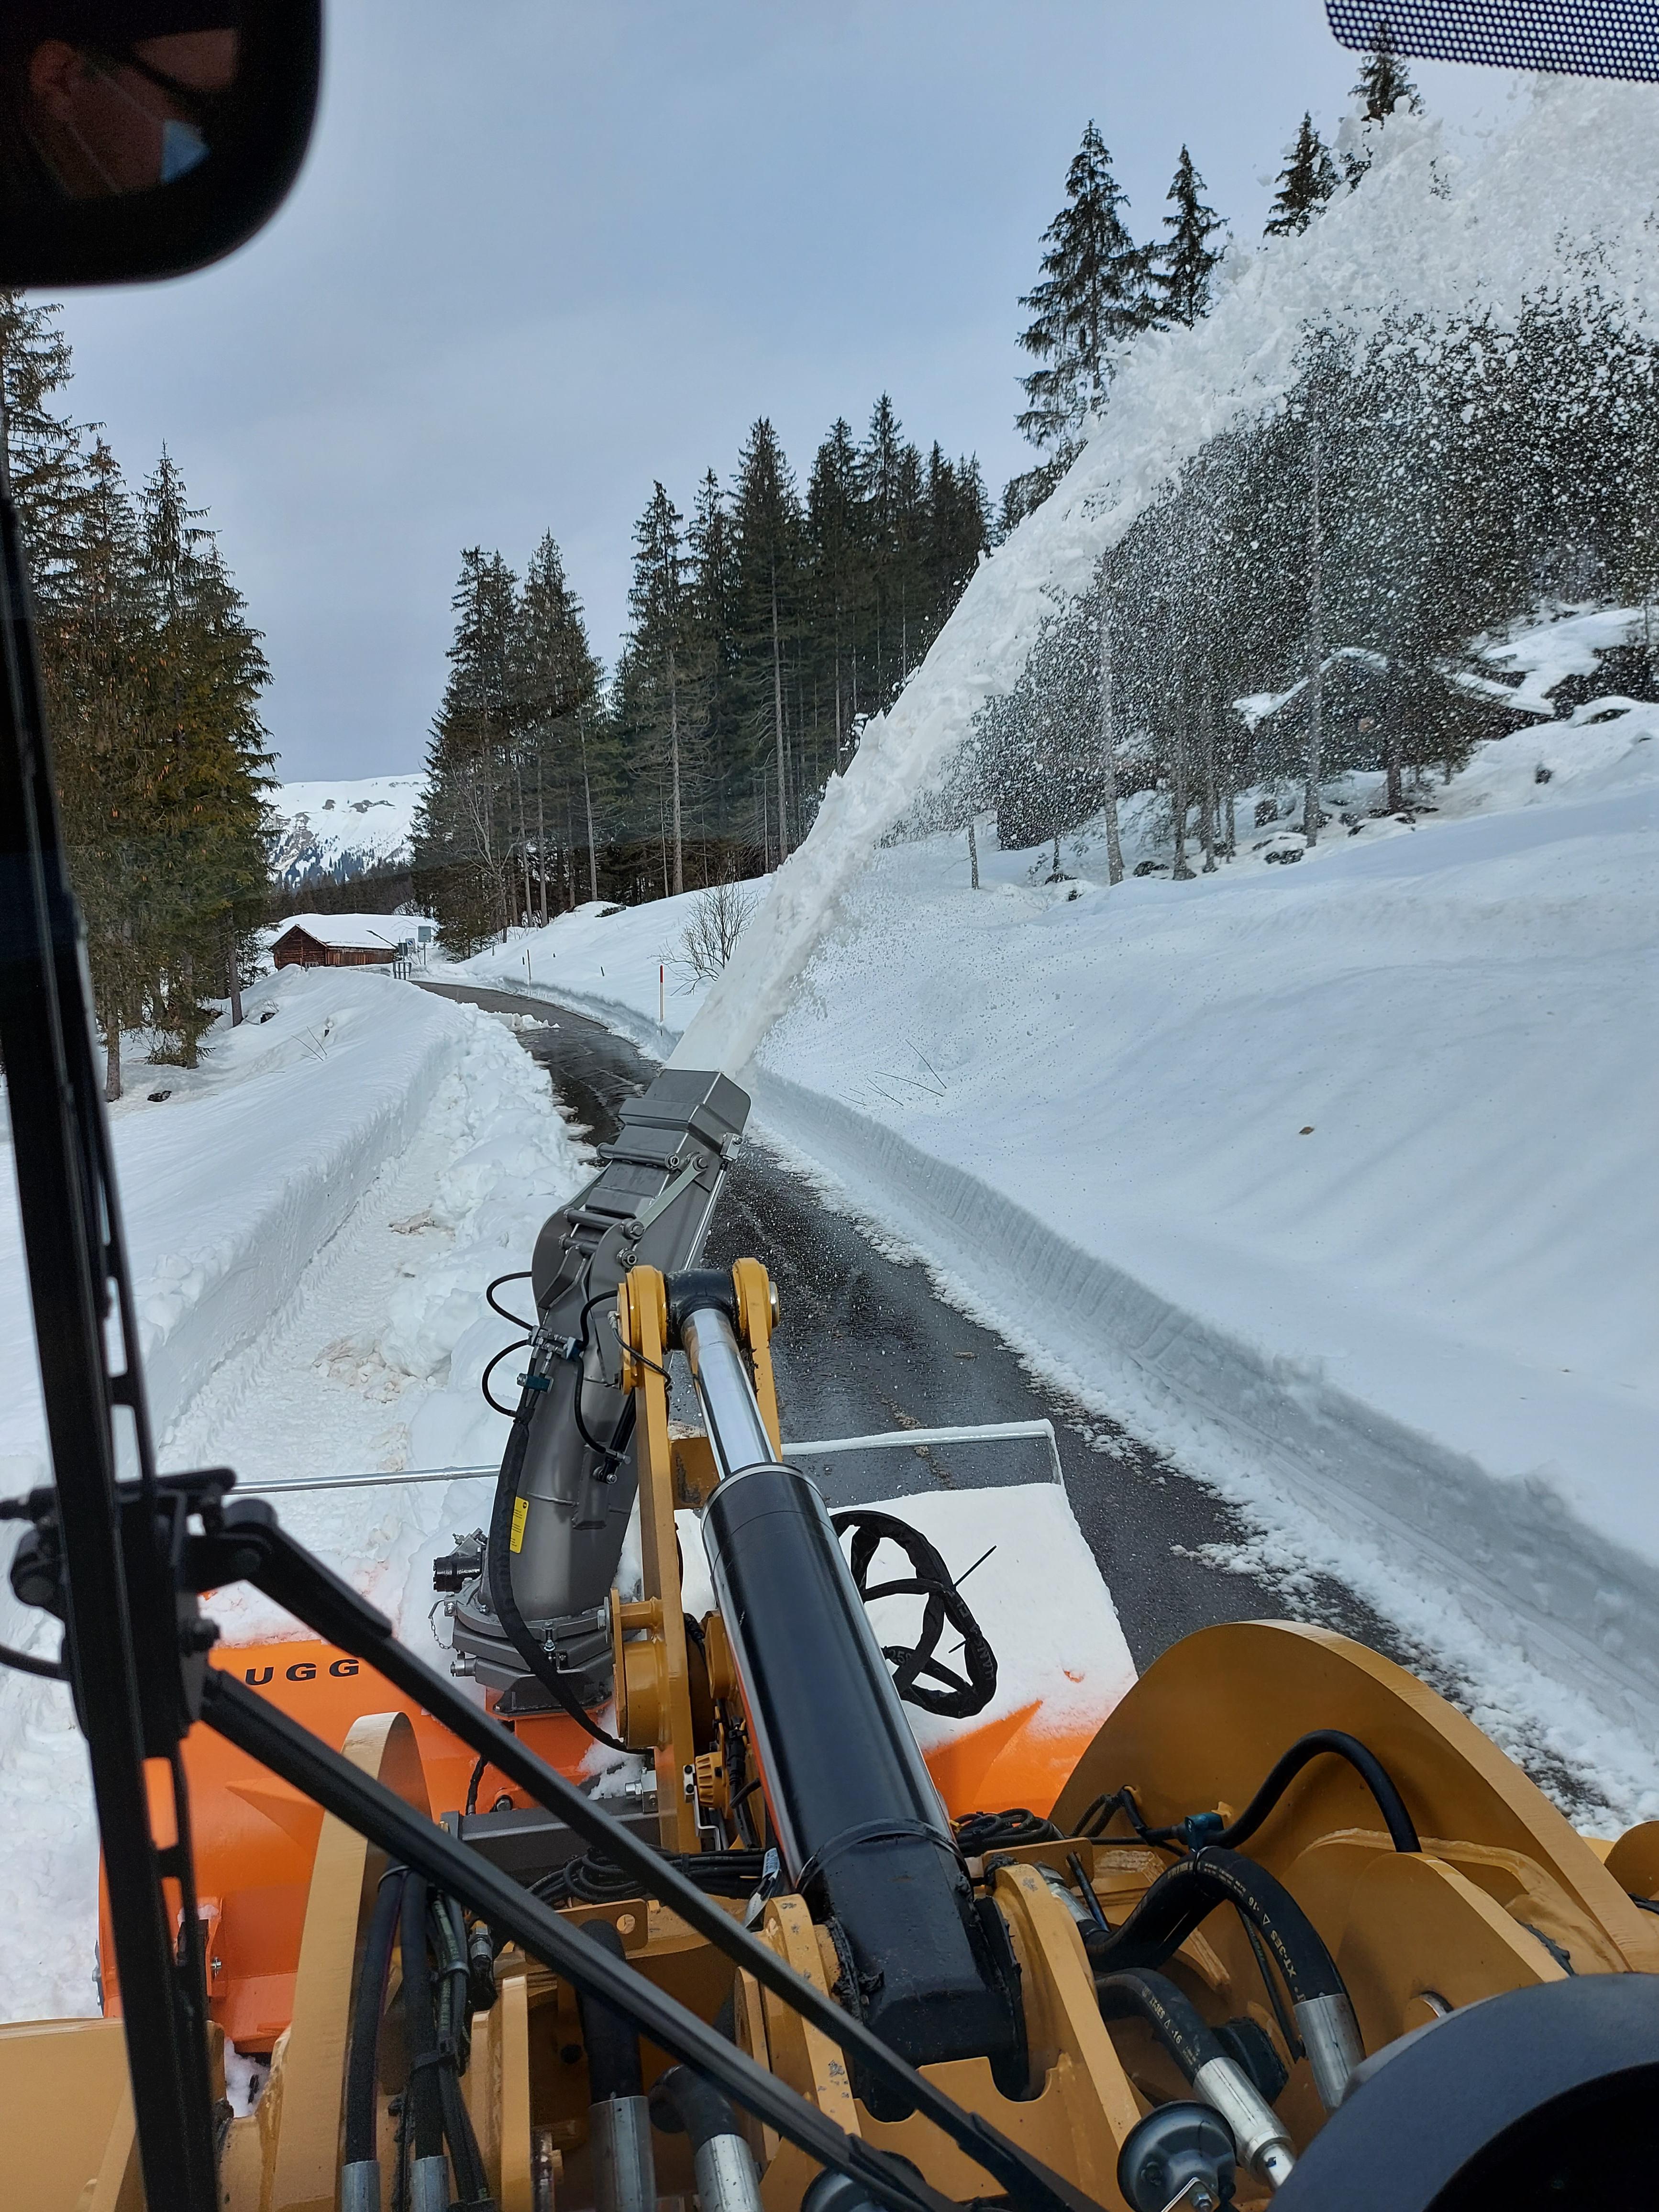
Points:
(867, 1344)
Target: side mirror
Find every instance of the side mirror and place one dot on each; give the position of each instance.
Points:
(144, 138)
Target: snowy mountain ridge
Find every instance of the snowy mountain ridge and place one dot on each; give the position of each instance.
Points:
(344, 830)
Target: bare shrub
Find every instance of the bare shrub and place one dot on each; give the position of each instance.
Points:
(717, 920)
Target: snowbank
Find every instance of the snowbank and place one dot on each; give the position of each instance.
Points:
(313, 1215)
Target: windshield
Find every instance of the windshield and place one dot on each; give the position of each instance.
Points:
(1068, 603)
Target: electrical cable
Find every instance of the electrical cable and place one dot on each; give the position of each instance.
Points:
(495, 1404)
(49, 1670)
(420, 2028)
(498, 1560)
(1199, 1828)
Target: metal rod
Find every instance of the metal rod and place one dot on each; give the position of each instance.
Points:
(821, 1447)
(736, 1430)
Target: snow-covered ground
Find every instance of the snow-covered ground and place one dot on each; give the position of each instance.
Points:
(1334, 1178)
(313, 1216)
(344, 828)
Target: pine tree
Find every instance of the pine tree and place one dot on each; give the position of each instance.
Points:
(1090, 299)
(768, 532)
(1184, 264)
(92, 660)
(714, 655)
(208, 766)
(657, 601)
(1305, 184)
(553, 679)
(464, 853)
(1383, 82)
(840, 581)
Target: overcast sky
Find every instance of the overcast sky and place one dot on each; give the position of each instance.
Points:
(543, 252)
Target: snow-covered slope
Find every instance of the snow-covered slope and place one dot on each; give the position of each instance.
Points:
(1559, 202)
(342, 830)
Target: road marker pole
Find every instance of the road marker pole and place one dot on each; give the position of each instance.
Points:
(662, 1002)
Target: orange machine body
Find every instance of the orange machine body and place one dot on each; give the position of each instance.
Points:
(255, 1837)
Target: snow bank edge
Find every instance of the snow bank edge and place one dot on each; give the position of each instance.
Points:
(1523, 1575)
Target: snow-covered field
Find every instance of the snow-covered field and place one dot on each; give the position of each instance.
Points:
(343, 829)
(1333, 1177)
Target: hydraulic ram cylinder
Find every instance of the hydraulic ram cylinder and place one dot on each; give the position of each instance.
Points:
(860, 1828)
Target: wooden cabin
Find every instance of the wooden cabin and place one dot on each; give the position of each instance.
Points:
(341, 940)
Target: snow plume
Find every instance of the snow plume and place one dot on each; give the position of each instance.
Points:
(1559, 208)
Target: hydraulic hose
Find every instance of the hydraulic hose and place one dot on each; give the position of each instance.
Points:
(421, 2041)
(681, 2100)
(1402, 1832)
(360, 2178)
(1186, 1894)
(618, 2119)
(454, 2039)
(1264, 2142)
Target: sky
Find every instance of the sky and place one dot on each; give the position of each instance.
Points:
(544, 253)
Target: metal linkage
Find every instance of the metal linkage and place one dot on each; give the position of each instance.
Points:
(245, 1542)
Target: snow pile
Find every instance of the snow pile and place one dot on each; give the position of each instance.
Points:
(1561, 200)
(313, 1215)
(344, 830)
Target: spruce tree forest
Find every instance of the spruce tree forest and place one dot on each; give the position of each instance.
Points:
(152, 675)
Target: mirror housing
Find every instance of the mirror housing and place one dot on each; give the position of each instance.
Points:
(245, 158)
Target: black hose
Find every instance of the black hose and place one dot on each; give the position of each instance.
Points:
(1402, 1833)
(420, 2029)
(1174, 2019)
(26, 1662)
(1185, 1894)
(683, 2102)
(612, 2039)
(454, 2039)
(363, 2067)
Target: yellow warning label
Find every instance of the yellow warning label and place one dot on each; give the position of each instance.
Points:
(521, 1515)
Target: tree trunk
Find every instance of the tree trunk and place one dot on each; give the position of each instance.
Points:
(111, 1058)
(1178, 802)
(1311, 807)
(1109, 730)
(1207, 811)
(973, 856)
(593, 849)
(541, 836)
(777, 733)
(1393, 741)
(674, 759)
(235, 983)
